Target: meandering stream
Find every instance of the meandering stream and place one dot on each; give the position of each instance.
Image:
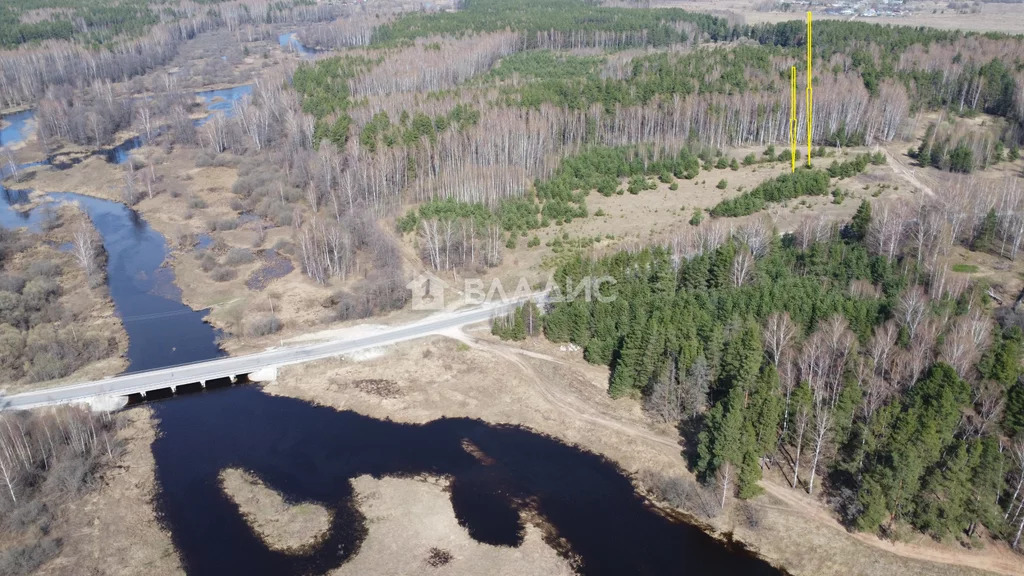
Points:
(308, 452)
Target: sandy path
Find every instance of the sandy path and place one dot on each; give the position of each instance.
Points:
(906, 173)
(1000, 561)
(567, 402)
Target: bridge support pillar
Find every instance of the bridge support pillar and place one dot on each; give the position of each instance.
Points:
(202, 383)
(142, 394)
(234, 379)
(174, 389)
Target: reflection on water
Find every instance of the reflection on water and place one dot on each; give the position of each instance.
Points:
(161, 330)
(290, 41)
(222, 101)
(122, 152)
(21, 126)
(12, 212)
(308, 453)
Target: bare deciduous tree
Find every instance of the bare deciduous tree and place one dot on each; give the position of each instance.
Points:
(695, 387)
(85, 249)
(742, 267)
(779, 334)
(911, 308)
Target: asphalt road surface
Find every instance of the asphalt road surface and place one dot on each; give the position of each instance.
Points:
(138, 382)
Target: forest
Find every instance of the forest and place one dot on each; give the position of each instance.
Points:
(491, 117)
(851, 359)
(557, 24)
(841, 355)
(484, 107)
(48, 461)
(535, 109)
(99, 23)
(70, 43)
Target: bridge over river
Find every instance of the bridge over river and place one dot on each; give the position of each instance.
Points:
(234, 366)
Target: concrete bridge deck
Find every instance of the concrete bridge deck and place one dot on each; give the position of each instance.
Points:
(234, 366)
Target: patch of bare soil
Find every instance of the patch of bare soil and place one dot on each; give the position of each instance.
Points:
(114, 530)
(555, 392)
(282, 525)
(412, 529)
(274, 266)
(378, 387)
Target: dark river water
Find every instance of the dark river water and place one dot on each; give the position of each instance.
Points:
(308, 452)
(161, 330)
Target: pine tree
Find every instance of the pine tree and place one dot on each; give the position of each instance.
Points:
(629, 363)
(721, 266)
(861, 221)
(920, 435)
(741, 360)
(874, 511)
(986, 483)
(987, 232)
(764, 411)
(846, 407)
(721, 440)
(942, 504)
(1002, 361)
(750, 470)
(1013, 420)
(556, 324)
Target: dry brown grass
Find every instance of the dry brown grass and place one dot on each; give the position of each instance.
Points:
(285, 526)
(114, 530)
(413, 530)
(91, 308)
(555, 392)
(994, 16)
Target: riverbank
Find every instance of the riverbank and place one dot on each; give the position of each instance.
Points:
(537, 384)
(285, 526)
(113, 530)
(409, 515)
(236, 265)
(411, 525)
(554, 392)
(62, 307)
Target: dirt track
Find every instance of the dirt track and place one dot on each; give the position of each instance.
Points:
(555, 392)
(1002, 562)
(906, 173)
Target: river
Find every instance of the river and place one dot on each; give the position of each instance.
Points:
(18, 127)
(290, 40)
(309, 452)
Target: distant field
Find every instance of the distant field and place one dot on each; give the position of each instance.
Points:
(993, 17)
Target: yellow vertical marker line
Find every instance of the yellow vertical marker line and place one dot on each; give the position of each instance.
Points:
(792, 119)
(810, 92)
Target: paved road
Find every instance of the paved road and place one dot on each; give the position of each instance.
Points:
(233, 366)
